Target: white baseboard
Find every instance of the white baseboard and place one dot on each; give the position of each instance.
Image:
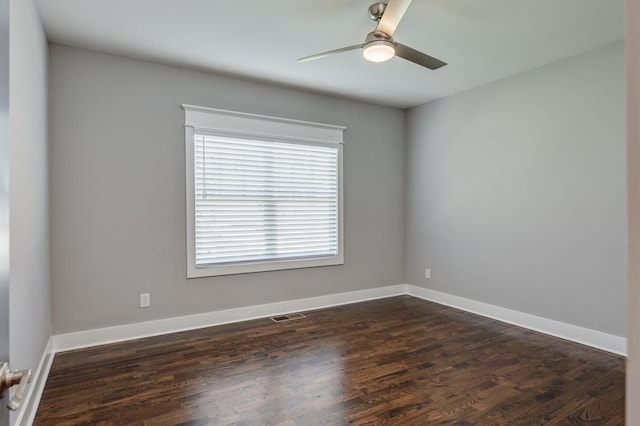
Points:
(574, 333)
(29, 407)
(100, 336)
(593, 338)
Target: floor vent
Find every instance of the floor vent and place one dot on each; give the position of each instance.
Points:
(287, 317)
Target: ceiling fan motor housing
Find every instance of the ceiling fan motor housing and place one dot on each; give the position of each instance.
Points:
(378, 36)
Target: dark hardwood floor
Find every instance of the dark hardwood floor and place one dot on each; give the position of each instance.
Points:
(392, 361)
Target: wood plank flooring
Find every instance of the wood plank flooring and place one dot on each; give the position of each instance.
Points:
(393, 361)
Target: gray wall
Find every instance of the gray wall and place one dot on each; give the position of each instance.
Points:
(30, 315)
(118, 191)
(516, 192)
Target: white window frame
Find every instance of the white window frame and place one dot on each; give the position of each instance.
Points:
(237, 124)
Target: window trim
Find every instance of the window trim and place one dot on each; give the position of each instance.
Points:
(219, 122)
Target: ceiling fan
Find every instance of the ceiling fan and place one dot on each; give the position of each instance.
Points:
(379, 45)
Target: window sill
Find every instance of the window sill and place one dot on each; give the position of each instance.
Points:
(248, 268)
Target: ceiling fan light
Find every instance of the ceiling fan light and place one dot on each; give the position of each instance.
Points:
(379, 51)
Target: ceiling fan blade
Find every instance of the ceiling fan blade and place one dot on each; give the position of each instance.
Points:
(419, 58)
(330, 52)
(392, 16)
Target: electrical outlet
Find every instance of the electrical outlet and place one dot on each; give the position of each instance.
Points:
(427, 273)
(145, 300)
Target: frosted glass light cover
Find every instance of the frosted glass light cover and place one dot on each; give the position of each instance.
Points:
(378, 51)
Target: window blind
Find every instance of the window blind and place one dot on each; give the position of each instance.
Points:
(263, 201)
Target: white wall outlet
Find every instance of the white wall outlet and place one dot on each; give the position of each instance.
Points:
(145, 300)
(427, 273)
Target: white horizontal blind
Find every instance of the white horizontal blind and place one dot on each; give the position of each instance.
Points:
(264, 201)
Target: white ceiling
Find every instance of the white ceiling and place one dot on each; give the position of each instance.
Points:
(482, 40)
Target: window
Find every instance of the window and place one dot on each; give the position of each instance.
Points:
(263, 193)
